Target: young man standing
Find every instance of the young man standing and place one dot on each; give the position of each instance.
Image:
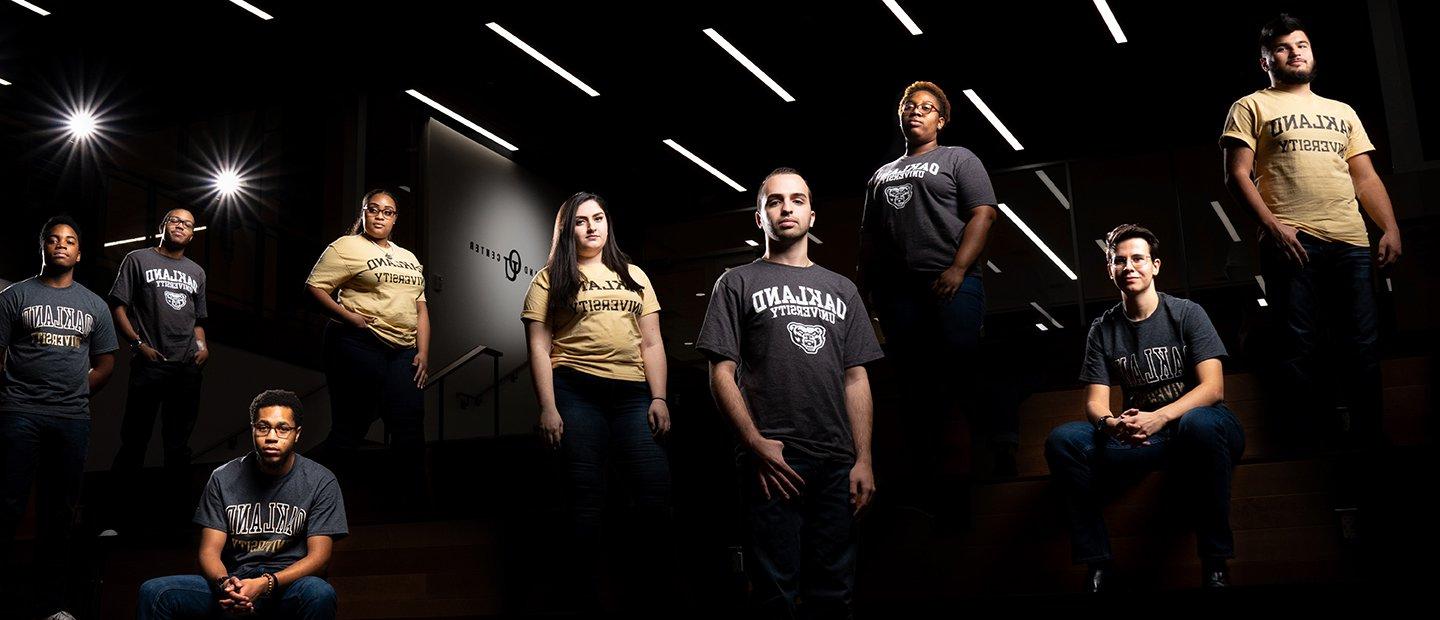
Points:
(159, 305)
(58, 343)
(1311, 169)
(1166, 357)
(788, 341)
(269, 518)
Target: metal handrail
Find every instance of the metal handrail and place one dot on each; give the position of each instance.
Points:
(466, 358)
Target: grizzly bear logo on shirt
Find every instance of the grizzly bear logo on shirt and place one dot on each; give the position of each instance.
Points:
(899, 195)
(810, 338)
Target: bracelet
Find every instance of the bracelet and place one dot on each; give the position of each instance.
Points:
(1100, 424)
(222, 582)
(659, 398)
(269, 584)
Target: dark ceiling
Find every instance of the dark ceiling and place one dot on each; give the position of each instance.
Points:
(1051, 71)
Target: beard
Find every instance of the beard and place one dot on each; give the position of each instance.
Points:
(1304, 75)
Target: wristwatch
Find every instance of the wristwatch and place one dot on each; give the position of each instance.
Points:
(1100, 424)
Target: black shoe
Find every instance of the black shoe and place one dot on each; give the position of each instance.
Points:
(1098, 579)
(1213, 577)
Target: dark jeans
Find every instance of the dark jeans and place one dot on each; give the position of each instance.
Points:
(802, 550)
(55, 449)
(1203, 447)
(933, 345)
(1333, 292)
(171, 389)
(368, 380)
(191, 596)
(607, 418)
(604, 417)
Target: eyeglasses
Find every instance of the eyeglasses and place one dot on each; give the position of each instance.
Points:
(374, 209)
(1139, 260)
(925, 108)
(262, 429)
(189, 225)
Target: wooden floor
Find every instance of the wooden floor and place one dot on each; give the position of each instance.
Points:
(468, 560)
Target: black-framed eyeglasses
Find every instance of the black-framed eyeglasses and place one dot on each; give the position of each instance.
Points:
(171, 219)
(374, 209)
(262, 429)
(924, 108)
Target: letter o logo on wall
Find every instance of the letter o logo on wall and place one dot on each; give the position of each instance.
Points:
(512, 265)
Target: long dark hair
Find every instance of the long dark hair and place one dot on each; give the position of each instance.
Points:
(564, 262)
(359, 224)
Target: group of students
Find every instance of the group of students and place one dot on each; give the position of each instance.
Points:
(787, 341)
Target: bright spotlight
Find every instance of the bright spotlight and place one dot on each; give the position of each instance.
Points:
(81, 124)
(227, 182)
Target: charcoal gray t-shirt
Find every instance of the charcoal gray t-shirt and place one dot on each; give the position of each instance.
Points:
(792, 332)
(266, 519)
(1153, 361)
(916, 208)
(49, 335)
(164, 297)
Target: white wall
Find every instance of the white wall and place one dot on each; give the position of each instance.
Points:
(481, 207)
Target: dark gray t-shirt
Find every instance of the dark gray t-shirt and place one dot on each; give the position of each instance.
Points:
(49, 335)
(165, 297)
(266, 519)
(916, 208)
(792, 331)
(1153, 361)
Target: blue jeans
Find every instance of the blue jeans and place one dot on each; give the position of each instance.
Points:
(50, 452)
(192, 596)
(1204, 446)
(1333, 291)
(802, 550)
(934, 345)
(368, 379)
(604, 418)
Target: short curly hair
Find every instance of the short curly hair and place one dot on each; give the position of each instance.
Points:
(278, 398)
(929, 87)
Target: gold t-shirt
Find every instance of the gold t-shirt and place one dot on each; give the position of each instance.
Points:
(1303, 145)
(601, 333)
(381, 282)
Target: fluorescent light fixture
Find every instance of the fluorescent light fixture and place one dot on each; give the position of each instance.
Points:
(460, 119)
(1389, 286)
(1103, 248)
(1045, 178)
(4, 82)
(1262, 303)
(550, 64)
(699, 294)
(752, 243)
(700, 162)
(81, 124)
(990, 116)
(1041, 327)
(1047, 316)
(1109, 18)
(689, 344)
(254, 10)
(812, 237)
(1036, 240)
(992, 266)
(904, 17)
(1225, 219)
(110, 244)
(31, 7)
(745, 62)
(1261, 281)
